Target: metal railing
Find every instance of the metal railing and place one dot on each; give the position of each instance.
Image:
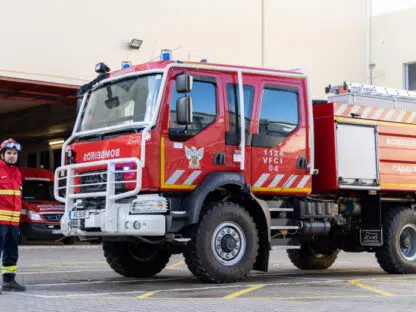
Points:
(66, 176)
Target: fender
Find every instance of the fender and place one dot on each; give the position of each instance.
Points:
(194, 201)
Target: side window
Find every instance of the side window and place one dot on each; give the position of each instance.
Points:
(204, 106)
(279, 115)
(233, 138)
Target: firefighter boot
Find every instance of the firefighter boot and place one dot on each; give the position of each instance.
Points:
(12, 286)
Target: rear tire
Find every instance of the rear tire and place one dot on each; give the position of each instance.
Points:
(136, 259)
(398, 253)
(307, 259)
(224, 245)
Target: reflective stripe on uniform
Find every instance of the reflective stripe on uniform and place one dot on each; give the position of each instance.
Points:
(10, 192)
(9, 269)
(9, 216)
(10, 219)
(9, 213)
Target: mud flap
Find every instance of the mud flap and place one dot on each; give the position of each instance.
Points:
(371, 231)
(371, 237)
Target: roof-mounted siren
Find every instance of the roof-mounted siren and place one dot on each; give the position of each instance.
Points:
(165, 55)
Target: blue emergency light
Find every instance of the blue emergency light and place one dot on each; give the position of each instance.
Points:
(125, 64)
(165, 55)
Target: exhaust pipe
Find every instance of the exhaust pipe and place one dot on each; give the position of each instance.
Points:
(314, 228)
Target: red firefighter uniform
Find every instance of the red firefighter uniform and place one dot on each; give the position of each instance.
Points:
(10, 194)
(10, 207)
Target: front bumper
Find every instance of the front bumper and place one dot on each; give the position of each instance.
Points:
(115, 220)
(40, 231)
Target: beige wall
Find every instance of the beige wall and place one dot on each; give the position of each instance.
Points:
(393, 44)
(62, 40)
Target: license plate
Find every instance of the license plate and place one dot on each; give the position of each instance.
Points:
(56, 232)
(76, 215)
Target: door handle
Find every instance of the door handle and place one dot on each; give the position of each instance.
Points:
(219, 158)
(302, 163)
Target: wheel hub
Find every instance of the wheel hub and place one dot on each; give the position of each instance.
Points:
(407, 242)
(228, 243)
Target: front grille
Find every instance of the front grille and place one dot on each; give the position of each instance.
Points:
(94, 178)
(53, 217)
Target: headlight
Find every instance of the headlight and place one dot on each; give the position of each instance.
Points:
(34, 216)
(149, 204)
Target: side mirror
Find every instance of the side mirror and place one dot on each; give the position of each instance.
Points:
(112, 102)
(184, 110)
(183, 82)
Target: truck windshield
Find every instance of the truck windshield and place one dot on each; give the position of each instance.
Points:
(123, 101)
(37, 190)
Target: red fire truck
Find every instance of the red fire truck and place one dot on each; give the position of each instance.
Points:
(224, 163)
(41, 213)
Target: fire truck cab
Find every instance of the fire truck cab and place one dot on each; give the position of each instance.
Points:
(220, 163)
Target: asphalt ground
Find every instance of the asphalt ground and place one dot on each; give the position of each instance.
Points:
(77, 278)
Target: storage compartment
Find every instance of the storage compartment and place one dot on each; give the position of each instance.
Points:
(356, 155)
(346, 153)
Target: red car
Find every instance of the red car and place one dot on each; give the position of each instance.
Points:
(41, 213)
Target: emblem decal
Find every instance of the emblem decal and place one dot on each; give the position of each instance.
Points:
(194, 156)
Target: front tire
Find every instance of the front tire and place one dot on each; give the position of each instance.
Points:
(136, 259)
(398, 253)
(224, 245)
(308, 259)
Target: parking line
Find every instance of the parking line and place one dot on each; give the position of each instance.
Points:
(61, 263)
(172, 266)
(242, 292)
(68, 271)
(146, 295)
(364, 286)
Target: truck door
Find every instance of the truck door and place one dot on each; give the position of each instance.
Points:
(280, 149)
(232, 127)
(189, 153)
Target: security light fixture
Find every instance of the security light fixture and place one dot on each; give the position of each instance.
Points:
(135, 44)
(57, 142)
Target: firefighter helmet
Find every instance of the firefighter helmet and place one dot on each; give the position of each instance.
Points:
(10, 144)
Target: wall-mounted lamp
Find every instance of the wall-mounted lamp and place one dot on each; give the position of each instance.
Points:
(135, 44)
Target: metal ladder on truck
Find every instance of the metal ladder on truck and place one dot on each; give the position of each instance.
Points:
(369, 95)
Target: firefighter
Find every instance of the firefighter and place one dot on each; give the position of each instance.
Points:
(10, 207)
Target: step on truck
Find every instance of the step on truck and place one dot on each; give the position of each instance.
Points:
(225, 163)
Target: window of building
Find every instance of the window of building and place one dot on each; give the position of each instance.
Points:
(233, 137)
(204, 106)
(279, 115)
(31, 160)
(44, 159)
(410, 76)
(56, 158)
